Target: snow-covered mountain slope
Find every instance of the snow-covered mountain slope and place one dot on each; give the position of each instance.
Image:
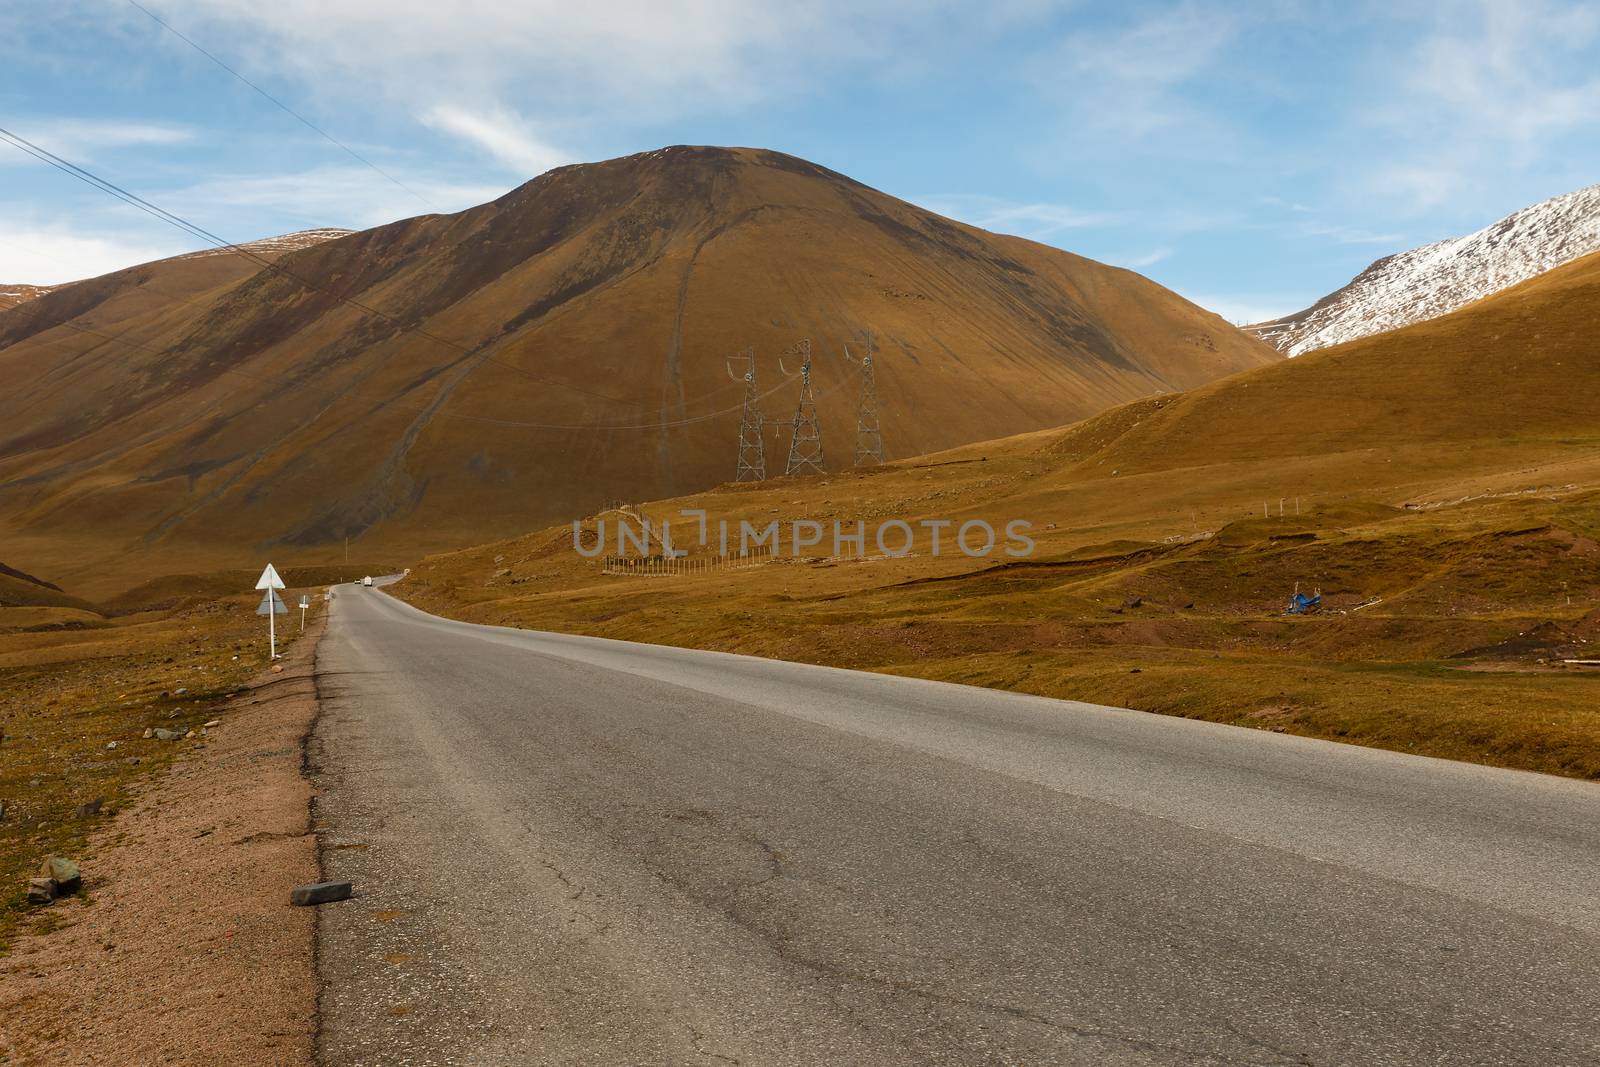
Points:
(269, 247)
(1435, 279)
(12, 295)
(289, 242)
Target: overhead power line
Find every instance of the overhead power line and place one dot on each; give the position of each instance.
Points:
(265, 380)
(307, 123)
(110, 188)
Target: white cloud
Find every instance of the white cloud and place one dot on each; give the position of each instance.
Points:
(349, 196)
(628, 57)
(1028, 219)
(1242, 309)
(500, 133)
(1351, 235)
(77, 138)
(1492, 69)
(47, 255)
(1131, 82)
(236, 207)
(1146, 259)
(1486, 87)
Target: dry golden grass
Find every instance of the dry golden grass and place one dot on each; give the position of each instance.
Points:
(1479, 585)
(255, 410)
(1438, 484)
(65, 694)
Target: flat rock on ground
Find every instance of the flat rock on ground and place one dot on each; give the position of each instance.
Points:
(190, 952)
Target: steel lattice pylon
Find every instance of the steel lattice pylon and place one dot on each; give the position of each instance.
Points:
(805, 443)
(752, 449)
(869, 440)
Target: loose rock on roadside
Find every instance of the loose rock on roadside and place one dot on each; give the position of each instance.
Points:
(58, 877)
(320, 893)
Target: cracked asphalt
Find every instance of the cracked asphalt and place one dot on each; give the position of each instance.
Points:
(576, 851)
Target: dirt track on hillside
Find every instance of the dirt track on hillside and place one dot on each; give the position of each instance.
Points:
(187, 950)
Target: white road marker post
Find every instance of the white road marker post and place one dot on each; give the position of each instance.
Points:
(305, 602)
(271, 605)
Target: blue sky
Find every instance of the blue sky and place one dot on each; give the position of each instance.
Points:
(1252, 156)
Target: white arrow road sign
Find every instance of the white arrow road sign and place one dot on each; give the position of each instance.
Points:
(271, 605)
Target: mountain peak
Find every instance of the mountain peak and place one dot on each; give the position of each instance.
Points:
(443, 377)
(1436, 279)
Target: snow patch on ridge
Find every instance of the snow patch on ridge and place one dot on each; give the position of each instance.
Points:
(289, 242)
(12, 295)
(1436, 279)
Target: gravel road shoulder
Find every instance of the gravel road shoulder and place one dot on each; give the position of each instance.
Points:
(187, 950)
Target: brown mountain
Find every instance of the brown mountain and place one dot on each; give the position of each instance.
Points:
(449, 378)
(13, 294)
(1502, 390)
(1439, 484)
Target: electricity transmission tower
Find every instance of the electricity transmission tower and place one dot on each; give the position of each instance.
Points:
(752, 449)
(869, 441)
(805, 443)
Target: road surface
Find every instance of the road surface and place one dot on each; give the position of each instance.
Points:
(576, 851)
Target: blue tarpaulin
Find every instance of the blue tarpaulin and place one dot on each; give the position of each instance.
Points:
(1299, 604)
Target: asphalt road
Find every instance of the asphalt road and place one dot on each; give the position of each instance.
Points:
(576, 851)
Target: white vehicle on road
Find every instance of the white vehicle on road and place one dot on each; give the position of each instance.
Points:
(367, 580)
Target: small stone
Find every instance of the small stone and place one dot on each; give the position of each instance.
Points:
(189, 736)
(167, 735)
(320, 893)
(180, 691)
(132, 761)
(91, 809)
(64, 873)
(41, 890)
(1133, 602)
(148, 733)
(213, 724)
(111, 746)
(277, 668)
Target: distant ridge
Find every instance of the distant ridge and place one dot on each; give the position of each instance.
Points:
(12, 572)
(442, 379)
(289, 242)
(1436, 279)
(15, 294)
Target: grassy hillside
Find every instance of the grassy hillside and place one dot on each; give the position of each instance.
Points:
(1439, 485)
(574, 347)
(19, 589)
(77, 692)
